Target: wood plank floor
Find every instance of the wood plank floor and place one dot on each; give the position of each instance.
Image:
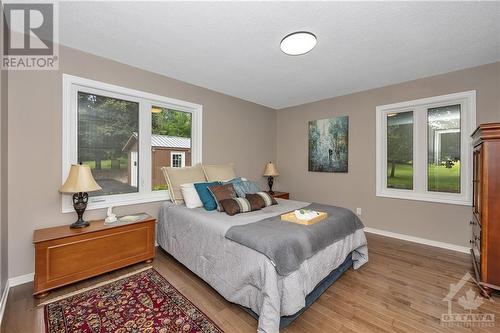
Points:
(399, 290)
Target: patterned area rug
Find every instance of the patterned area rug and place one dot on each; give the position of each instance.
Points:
(143, 302)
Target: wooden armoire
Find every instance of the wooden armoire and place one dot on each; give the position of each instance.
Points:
(485, 241)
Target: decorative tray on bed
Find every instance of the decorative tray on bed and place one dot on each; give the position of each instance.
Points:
(291, 217)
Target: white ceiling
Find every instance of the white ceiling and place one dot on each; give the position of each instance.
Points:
(233, 47)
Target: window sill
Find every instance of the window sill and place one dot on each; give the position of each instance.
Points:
(116, 200)
(427, 197)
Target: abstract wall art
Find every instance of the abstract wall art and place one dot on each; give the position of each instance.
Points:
(328, 144)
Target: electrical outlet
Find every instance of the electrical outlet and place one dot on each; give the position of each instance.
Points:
(358, 211)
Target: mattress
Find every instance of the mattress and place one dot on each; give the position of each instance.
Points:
(196, 238)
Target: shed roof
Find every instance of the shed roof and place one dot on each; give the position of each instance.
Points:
(160, 141)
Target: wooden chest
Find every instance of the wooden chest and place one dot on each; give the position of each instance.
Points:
(64, 255)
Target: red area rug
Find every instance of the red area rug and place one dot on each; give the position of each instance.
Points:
(143, 302)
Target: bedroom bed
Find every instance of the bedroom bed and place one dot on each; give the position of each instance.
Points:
(242, 275)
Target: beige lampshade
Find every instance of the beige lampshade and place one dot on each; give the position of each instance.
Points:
(79, 180)
(271, 170)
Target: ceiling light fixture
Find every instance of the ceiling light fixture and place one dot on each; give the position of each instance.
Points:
(298, 43)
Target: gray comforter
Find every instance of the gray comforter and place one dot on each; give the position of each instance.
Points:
(288, 245)
(242, 275)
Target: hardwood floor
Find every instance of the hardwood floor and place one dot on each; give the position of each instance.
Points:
(399, 290)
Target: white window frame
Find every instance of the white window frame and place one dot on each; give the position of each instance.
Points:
(71, 86)
(467, 101)
(183, 158)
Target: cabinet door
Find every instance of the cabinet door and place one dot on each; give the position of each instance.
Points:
(477, 181)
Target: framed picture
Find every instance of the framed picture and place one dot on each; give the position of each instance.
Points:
(328, 145)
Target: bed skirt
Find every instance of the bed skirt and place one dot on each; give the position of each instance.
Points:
(314, 294)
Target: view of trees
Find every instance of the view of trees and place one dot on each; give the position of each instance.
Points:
(171, 122)
(443, 140)
(444, 148)
(400, 145)
(104, 126)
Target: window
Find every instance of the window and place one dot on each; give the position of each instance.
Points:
(126, 136)
(400, 150)
(177, 159)
(443, 162)
(170, 142)
(104, 127)
(424, 148)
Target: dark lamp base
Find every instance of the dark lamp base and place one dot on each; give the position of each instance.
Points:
(79, 224)
(79, 204)
(270, 181)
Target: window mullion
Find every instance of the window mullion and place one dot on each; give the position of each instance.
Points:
(420, 150)
(145, 146)
(384, 164)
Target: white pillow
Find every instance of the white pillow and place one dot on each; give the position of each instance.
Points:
(190, 195)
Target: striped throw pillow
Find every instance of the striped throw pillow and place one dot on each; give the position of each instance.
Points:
(267, 198)
(235, 206)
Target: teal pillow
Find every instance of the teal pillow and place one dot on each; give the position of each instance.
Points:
(205, 196)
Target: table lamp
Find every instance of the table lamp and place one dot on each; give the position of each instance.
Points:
(270, 172)
(79, 182)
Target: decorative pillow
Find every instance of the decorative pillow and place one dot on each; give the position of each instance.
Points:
(267, 199)
(235, 206)
(177, 176)
(205, 195)
(190, 196)
(219, 172)
(221, 192)
(243, 188)
(234, 182)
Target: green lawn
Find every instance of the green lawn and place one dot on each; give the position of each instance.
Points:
(403, 177)
(106, 164)
(160, 187)
(440, 179)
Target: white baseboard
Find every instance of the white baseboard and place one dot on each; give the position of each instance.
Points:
(21, 279)
(3, 300)
(12, 282)
(419, 240)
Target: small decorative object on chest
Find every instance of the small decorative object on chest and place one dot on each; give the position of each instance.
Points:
(270, 172)
(110, 218)
(79, 182)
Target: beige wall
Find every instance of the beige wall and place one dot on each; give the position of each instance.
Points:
(3, 171)
(3, 179)
(440, 222)
(233, 131)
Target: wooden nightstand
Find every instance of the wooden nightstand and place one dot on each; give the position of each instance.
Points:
(281, 195)
(64, 255)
